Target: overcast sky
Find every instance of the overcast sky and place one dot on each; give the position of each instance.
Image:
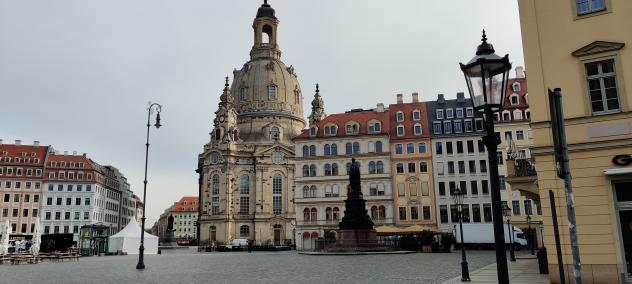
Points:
(78, 74)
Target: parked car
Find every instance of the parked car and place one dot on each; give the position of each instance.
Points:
(482, 235)
(243, 243)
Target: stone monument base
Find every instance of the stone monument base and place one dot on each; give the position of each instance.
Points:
(356, 238)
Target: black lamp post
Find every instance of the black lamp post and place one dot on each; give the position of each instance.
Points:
(512, 255)
(141, 249)
(531, 235)
(486, 77)
(458, 201)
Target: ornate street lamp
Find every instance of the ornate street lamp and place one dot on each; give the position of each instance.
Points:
(458, 195)
(141, 249)
(507, 213)
(486, 77)
(531, 235)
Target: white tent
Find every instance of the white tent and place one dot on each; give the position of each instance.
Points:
(128, 240)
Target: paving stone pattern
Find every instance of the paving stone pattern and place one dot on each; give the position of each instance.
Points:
(187, 266)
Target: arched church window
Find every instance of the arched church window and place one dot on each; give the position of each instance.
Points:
(215, 184)
(277, 184)
(244, 184)
(272, 92)
(266, 36)
(277, 198)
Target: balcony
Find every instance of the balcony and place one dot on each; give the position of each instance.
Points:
(522, 176)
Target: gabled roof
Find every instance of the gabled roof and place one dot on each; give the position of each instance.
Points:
(186, 204)
(340, 119)
(522, 102)
(409, 123)
(32, 152)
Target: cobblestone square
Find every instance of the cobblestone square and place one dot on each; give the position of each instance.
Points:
(187, 266)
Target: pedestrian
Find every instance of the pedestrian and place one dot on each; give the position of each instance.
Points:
(249, 246)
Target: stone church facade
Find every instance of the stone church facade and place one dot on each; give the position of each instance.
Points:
(247, 168)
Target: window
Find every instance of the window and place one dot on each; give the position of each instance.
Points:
(412, 189)
(439, 168)
(86, 215)
(378, 146)
(472, 166)
(312, 170)
(423, 167)
(515, 204)
(400, 168)
(66, 215)
(461, 167)
(244, 231)
(426, 212)
(400, 116)
(501, 158)
(244, 184)
(242, 94)
(416, 115)
(481, 146)
(449, 113)
(422, 147)
(86, 201)
(402, 213)
(215, 184)
(380, 167)
(474, 187)
(468, 126)
(275, 133)
(410, 148)
(439, 114)
(458, 126)
(519, 135)
(514, 99)
(470, 146)
(479, 124)
(602, 86)
(334, 149)
(438, 148)
(443, 212)
(399, 149)
(305, 151)
(451, 168)
(414, 213)
(442, 188)
(277, 204)
(328, 169)
(314, 214)
(411, 167)
(334, 169)
(447, 127)
(76, 217)
(375, 127)
(312, 150)
(272, 92)
(589, 6)
(485, 186)
(352, 128)
(348, 148)
(528, 209)
(418, 129)
(436, 127)
(400, 130)
(459, 147)
(330, 130)
(244, 205)
(459, 113)
(215, 205)
(448, 148)
(483, 166)
(371, 167)
(452, 187)
(356, 148)
(476, 213)
(401, 190)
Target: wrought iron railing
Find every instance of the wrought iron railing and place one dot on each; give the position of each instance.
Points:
(525, 167)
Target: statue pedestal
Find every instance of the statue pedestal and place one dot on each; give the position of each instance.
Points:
(356, 238)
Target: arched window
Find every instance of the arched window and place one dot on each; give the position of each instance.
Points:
(348, 148)
(418, 129)
(215, 184)
(305, 151)
(312, 150)
(378, 146)
(400, 116)
(416, 115)
(371, 167)
(306, 215)
(334, 149)
(327, 150)
(335, 190)
(275, 133)
(327, 169)
(272, 92)
(328, 191)
(277, 184)
(328, 213)
(244, 184)
(312, 170)
(380, 167)
(334, 169)
(336, 213)
(306, 192)
(305, 170)
(314, 214)
(244, 231)
(312, 191)
(400, 130)
(374, 213)
(381, 213)
(356, 148)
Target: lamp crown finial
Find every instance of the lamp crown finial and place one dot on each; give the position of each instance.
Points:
(226, 82)
(317, 90)
(484, 38)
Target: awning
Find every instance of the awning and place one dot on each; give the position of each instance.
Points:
(417, 229)
(386, 230)
(305, 234)
(314, 234)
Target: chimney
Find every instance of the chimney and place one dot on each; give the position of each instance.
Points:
(519, 72)
(74, 153)
(85, 154)
(65, 153)
(36, 143)
(18, 142)
(380, 108)
(0, 141)
(460, 97)
(415, 97)
(440, 99)
(400, 99)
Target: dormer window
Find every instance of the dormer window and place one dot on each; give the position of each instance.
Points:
(459, 113)
(275, 133)
(375, 127)
(353, 128)
(449, 113)
(416, 115)
(418, 129)
(400, 130)
(516, 87)
(400, 116)
(469, 112)
(439, 114)
(514, 99)
(272, 92)
(313, 131)
(330, 130)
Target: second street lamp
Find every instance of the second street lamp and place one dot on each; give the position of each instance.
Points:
(486, 77)
(458, 195)
(510, 231)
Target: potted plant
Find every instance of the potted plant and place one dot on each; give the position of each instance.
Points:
(427, 238)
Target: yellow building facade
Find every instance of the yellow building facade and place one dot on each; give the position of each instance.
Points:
(582, 47)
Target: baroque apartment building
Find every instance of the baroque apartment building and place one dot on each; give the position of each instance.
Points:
(583, 47)
(21, 180)
(247, 169)
(185, 213)
(324, 153)
(460, 161)
(411, 163)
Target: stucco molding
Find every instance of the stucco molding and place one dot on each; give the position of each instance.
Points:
(596, 47)
(582, 147)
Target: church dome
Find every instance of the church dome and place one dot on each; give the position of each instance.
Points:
(266, 85)
(265, 10)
